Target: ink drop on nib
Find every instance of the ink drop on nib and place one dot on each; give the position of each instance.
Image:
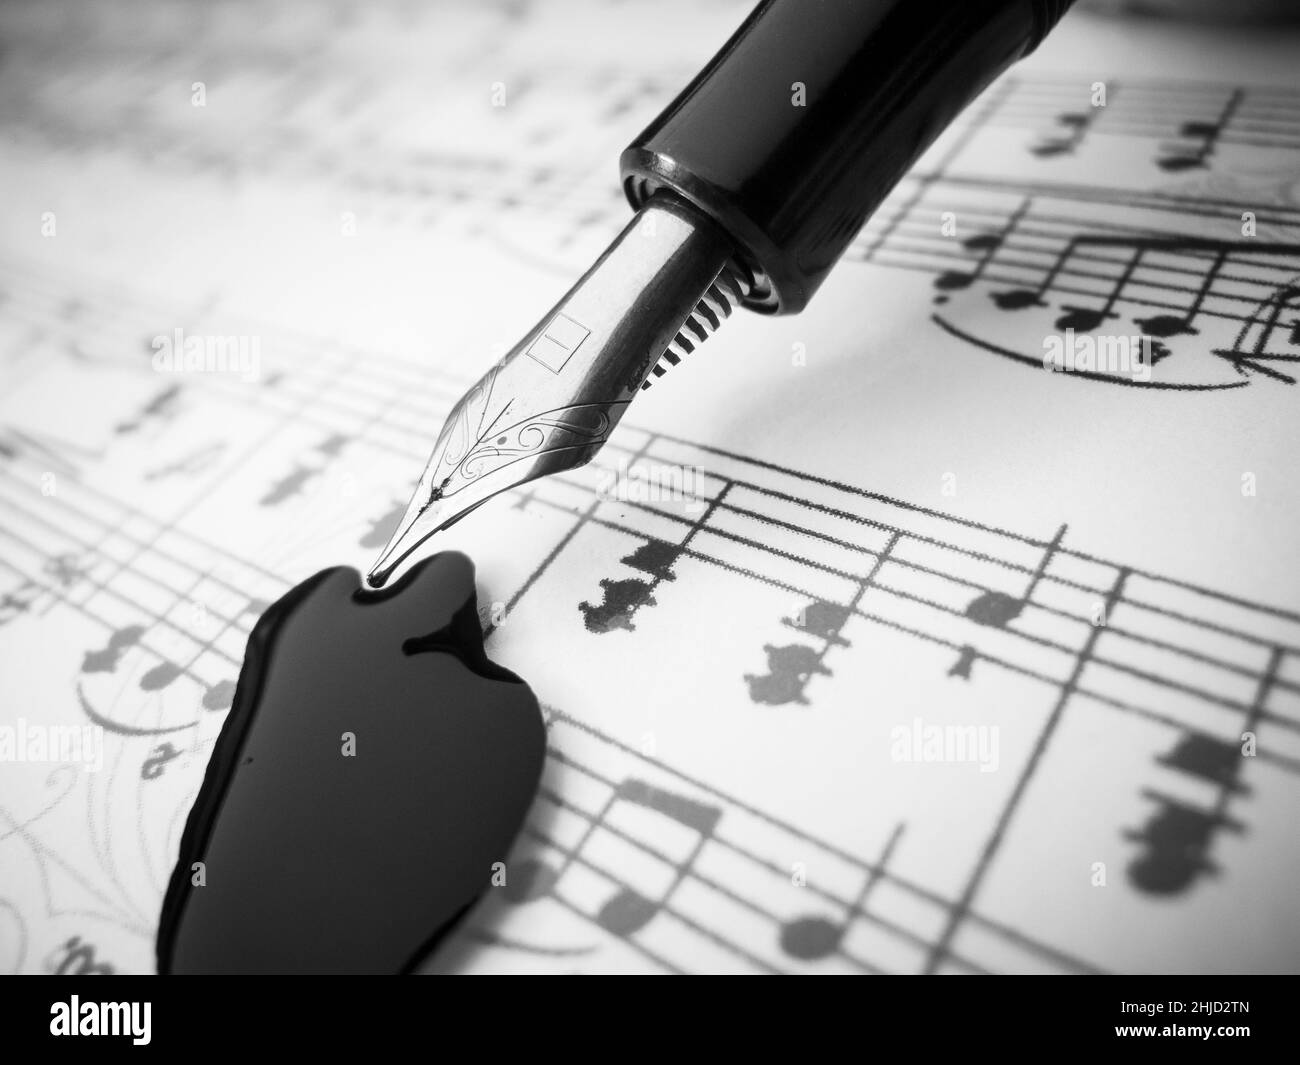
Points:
(373, 768)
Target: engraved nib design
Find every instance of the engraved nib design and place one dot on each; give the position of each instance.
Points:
(489, 444)
(552, 402)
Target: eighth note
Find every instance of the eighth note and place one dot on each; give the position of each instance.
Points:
(629, 911)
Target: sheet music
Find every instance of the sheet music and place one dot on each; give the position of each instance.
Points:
(928, 661)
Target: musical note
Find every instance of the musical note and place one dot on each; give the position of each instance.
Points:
(160, 676)
(623, 598)
(195, 462)
(529, 880)
(1111, 247)
(288, 486)
(106, 659)
(628, 911)
(822, 619)
(811, 938)
(1076, 124)
(296, 480)
(1184, 157)
(1265, 324)
(160, 407)
(1178, 835)
(1127, 279)
(219, 696)
(66, 569)
(789, 670)
(1177, 842)
(996, 609)
(18, 601)
(986, 245)
(1081, 319)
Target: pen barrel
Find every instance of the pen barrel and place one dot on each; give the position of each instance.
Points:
(799, 127)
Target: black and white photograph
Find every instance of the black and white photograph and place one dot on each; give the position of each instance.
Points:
(627, 487)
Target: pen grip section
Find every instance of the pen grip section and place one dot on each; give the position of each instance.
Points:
(799, 127)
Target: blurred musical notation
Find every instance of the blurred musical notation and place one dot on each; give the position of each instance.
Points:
(730, 793)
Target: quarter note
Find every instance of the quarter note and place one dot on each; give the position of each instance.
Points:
(998, 609)
(1170, 325)
(811, 938)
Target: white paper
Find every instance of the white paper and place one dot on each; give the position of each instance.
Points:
(853, 731)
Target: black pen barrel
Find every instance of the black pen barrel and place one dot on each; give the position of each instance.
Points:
(799, 127)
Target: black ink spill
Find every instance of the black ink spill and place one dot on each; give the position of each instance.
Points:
(374, 767)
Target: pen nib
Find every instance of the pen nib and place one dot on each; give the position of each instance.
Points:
(552, 402)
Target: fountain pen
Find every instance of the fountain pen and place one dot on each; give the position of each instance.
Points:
(746, 191)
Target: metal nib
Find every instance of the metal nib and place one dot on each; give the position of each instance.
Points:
(553, 401)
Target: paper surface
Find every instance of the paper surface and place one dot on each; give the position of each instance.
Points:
(889, 651)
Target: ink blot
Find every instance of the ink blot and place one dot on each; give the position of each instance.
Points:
(373, 768)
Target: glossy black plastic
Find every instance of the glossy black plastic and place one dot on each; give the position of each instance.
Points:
(803, 122)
